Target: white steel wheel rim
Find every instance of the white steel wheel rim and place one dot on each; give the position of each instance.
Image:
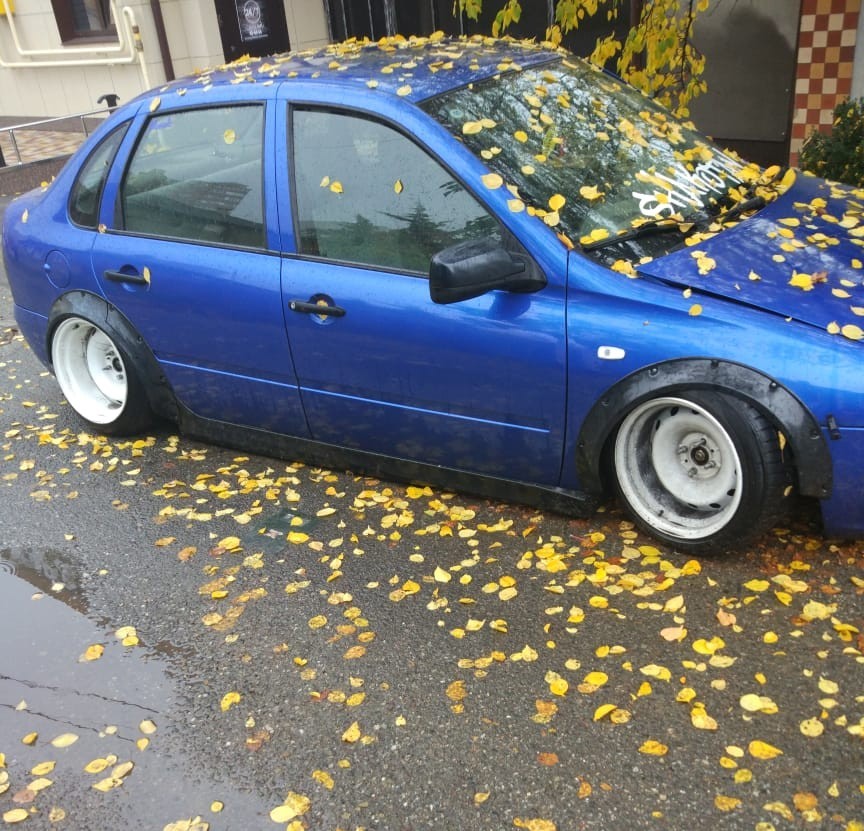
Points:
(90, 370)
(678, 468)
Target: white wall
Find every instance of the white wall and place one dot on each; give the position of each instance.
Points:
(193, 39)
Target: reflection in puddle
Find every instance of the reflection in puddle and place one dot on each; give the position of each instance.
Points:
(60, 713)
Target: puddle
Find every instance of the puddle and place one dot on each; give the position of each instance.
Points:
(270, 528)
(124, 706)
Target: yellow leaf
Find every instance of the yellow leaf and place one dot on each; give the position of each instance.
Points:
(653, 748)
(154, 104)
(492, 181)
(335, 187)
(802, 281)
(147, 727)
(471, 128)
(15, 815)
(442, 576)
(295, 805)
(812, 727)
(404, 90)
(352, 734)
(323, 778)
(317, 622)
(229, 137)
(852, 332)
(97, 765)
(701, 720)
(559, 686)
(763, 750)
(673, 633)
(556, 202)
(590, 192)
(521, 136)
(655, 671)
(398, 187)
(726, 803)
(535, 824)
(603, 710)
(64, 740)
(42, 768)
(229, 700)
(695, 310)
(596, 678)
(757, 585)
(93, 652)
(516, 205)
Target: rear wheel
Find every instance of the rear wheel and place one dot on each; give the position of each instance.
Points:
(700, 471)
(98, 378)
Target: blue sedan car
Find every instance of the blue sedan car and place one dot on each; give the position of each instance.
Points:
(468, 261)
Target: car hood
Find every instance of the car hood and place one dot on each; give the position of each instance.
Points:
(801, 257)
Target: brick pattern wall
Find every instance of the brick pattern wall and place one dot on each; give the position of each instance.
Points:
(826, 52)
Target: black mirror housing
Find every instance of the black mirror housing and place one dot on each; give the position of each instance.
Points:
(472, 268)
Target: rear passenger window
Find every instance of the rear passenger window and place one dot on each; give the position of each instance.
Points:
(87, 190)
(197, 175)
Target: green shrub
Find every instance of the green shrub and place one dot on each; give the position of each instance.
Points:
(839, 156)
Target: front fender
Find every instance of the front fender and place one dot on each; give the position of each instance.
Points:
(779, 405)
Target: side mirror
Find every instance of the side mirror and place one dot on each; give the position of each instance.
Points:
(472, 268)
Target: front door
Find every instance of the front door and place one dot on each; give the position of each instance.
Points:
(252, 27)
(477, 385)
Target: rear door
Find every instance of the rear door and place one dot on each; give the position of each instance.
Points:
(477, 385)
(186, 255)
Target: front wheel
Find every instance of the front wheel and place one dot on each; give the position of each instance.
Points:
(98, 379)
(699, 471)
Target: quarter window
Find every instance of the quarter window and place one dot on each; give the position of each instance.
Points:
(367, 194)
(87, 190)
(197, 175)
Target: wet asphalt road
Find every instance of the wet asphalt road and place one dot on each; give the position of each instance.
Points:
(361, 654)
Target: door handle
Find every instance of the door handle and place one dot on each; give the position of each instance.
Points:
(122, 277)
(322, 309)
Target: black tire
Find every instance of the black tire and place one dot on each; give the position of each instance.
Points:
(98, 378)
(699, 470)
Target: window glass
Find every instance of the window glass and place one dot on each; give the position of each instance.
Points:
(565, 129)
(84, 20)
(197, 175)
(87, 190)
(367, 194)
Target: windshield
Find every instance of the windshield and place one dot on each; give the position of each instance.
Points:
(588, 154)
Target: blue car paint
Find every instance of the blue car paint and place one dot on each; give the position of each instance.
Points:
(232, 359)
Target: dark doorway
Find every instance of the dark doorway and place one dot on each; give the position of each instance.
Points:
(251, 27)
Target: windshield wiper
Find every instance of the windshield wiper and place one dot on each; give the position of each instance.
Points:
(647, 229)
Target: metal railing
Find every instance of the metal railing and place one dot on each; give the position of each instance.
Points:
(41, 125)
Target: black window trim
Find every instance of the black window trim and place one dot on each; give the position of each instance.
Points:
(124, 126)
(369, 115)
(119, 218)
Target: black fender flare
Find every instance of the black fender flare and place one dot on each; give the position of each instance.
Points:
(99, 311)
(784, 409)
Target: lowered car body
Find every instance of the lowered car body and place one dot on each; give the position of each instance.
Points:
(401, 256)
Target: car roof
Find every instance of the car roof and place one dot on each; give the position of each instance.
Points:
(415, 68)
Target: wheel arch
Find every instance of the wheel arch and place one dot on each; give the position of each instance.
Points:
(97, 310)
(786, 411)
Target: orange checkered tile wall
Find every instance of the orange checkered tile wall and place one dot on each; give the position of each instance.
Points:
(826, 53)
